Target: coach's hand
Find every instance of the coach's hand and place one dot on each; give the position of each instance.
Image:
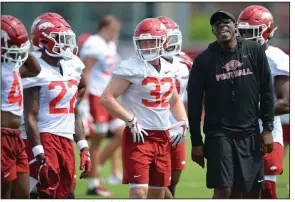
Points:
(85, 162)
(198, 155)
(266, 145)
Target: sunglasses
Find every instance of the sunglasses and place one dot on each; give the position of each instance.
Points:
(220, 21)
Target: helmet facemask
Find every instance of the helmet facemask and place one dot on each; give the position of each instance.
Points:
(174, 39)
(151, 53)
(64, 44)
(14, 55)
(254, 32)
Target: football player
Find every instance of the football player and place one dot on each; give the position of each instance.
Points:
(51, 111)
(256, 23)
(16, 62)
(183, 63)
(145, 84)
(99, 54)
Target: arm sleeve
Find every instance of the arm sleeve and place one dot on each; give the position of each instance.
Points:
(266, 89)
(195, 92)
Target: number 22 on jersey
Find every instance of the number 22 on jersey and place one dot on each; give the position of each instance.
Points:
(160, 98)
(52, 104)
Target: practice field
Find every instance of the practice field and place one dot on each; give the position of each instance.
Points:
(192, 183)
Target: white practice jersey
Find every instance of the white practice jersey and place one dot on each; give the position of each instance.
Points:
(11, 90)
(147, 98)
(180, 80)
(106, 55)
(279, 65)
(57, 95)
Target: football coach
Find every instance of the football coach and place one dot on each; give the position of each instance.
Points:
(233, 78)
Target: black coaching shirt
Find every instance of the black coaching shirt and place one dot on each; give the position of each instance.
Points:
(233, 82)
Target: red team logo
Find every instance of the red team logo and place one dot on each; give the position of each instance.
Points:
(232, 71)
(232, 65)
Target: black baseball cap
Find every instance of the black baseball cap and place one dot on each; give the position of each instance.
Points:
(222, 15)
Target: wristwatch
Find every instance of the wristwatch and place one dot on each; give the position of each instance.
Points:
(268, 127)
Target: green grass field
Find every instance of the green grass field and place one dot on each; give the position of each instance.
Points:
(192, 183)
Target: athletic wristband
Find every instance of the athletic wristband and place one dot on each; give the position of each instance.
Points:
(82, 144)
(38, 150)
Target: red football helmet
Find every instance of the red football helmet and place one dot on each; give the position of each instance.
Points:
(35, 40)
(256, 23)
(174, 37)
(56, 37)
(15, 42)
(151, 31)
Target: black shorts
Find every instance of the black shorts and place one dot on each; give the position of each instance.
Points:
(234, 163)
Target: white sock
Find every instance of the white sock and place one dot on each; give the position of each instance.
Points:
(93, 182)
(272, 178)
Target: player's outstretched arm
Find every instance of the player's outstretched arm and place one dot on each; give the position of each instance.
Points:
(109, 98)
